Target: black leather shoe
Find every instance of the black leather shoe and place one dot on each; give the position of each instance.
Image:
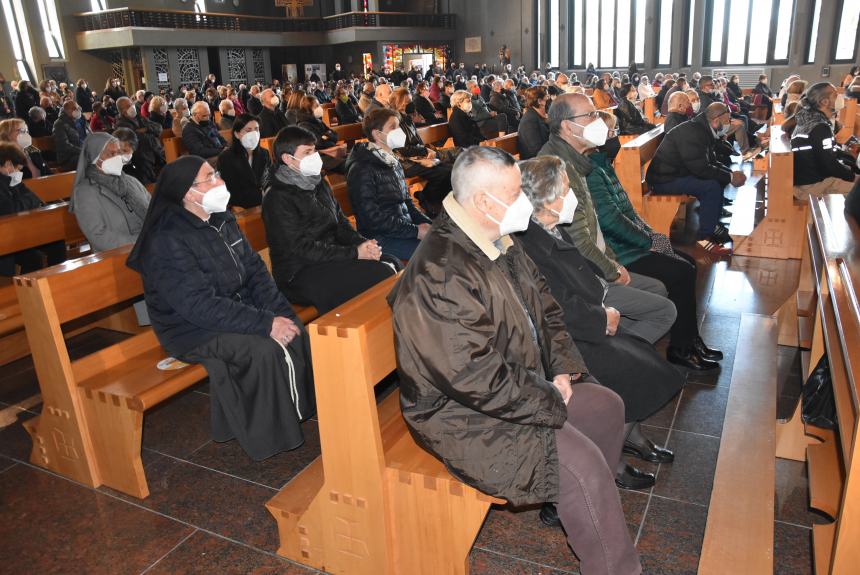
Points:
(632, 478)
(689, 359)
(725, 213)
(728, 201)
(706, 352)
(649, 452)
(549, 515)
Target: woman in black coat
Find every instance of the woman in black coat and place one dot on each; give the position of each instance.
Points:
(424, 106)
(630, 119)
(27, 98)
(628, 365)
(384, 210)
(533, 132)
(84, 96)
(245, 166)
(211, 300)
(418, 160)
(347, 112)
(462, 127)
(317, 257)
(309, 116)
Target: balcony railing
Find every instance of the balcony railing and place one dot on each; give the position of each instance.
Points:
(131, 17)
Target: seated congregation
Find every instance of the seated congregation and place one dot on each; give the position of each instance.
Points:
(533, 292)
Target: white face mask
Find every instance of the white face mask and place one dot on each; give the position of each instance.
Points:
(215, 200)
(594, 133)
(839, 103)
(310, 165)
(395, 139)
(696, 107)
(467, 107)
(76, 115)
(250, 140)
(24, 140)
(318, 113)
(163, 109)
(113, 166)
(15, 178)
(568, 208)
(126, 158)
(131, 112)
(275, 101)
(517, 215)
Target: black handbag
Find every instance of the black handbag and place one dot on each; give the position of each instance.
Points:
(819, 404)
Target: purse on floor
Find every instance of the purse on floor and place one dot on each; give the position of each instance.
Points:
(819, 404)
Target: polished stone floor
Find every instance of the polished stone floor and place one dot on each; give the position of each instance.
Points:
(205, 513)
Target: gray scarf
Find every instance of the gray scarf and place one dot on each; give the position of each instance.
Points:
(291, 177)
(807, 119)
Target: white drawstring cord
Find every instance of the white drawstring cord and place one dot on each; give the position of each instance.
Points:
(294, 390)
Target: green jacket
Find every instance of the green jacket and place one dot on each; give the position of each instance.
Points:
(583, 230)
(625, 232)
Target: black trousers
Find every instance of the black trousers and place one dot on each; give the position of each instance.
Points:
(438, 184)
(31, 260)
(679, 277)
(328, 285)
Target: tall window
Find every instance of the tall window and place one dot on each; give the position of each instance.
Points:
(847, 32)
(607, 33)
(200, 5)
(16, 23)
(554, 21)
(813, 33)
(51, 28)
(97, 5)
(691, 15)
(743, 32)
(664, 32)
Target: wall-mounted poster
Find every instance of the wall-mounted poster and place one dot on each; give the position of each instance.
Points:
(289, 72)
(318, 69)
(473, 44)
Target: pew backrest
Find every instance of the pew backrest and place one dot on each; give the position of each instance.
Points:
(508, 143)
(26, 230)
(434, 133)
(53, 188)
(348, 133)
(632, 162)
(44, 143)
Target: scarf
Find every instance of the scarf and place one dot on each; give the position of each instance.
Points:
(807, 119)
(291, 177)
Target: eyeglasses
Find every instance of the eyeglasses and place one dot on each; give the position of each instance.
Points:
(593, 115)
(23, 131)
(211, 179)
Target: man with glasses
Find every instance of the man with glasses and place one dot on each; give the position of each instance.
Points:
(686, 163)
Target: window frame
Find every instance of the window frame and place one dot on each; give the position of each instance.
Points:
(658, 17)
(773, 26)
(19, 39)
(574, 36)
(689, 12)
(835, 44)
(44, 8)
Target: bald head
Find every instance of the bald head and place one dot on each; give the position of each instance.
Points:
(123, 104)
(679, 102)
(382, 93)
(566, 106)
(269, 98)
(716, 110)
(70, 107)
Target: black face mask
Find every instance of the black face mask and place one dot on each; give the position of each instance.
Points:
(611, 148)
(203, 123)
(410, 108)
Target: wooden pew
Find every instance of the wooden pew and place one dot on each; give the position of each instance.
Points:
(21, 231)
(44, 143)
(436, 133)
(508, 143)
(330, 116)
(173, 148)
(780, 234)
(348, 133)
(740, 527)
(53, 188)
(630, 165)
(832, 271)
(168, 133)
(848, 119)
(374, 502)
(649, 109)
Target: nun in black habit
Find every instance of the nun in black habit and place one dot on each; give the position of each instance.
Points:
(212, 301)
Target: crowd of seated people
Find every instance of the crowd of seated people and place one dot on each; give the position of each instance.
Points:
(599, 286)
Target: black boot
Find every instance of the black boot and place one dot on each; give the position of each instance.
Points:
(549, 515)
(706, 352)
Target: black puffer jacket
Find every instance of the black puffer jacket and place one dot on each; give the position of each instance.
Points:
(148, 158)
(689, 149)
(817, 156)
(305, 227)
(380, 197)
(204, 278)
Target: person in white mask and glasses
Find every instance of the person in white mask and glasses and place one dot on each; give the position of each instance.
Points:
(384, 210)
(212, 301)
(245, 165)
(317, 256)
(109, 204)
(491, 382)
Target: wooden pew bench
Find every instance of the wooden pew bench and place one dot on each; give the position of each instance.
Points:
(780, 234)
(373, 488)
(848, 119)
(53, 188)
(508, 143)
(631, 165)
(436, 135)
(21, 231)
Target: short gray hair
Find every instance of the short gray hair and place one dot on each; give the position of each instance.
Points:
(543, 180)
(469, 166)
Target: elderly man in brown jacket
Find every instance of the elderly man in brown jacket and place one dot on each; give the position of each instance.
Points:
(491, 383)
